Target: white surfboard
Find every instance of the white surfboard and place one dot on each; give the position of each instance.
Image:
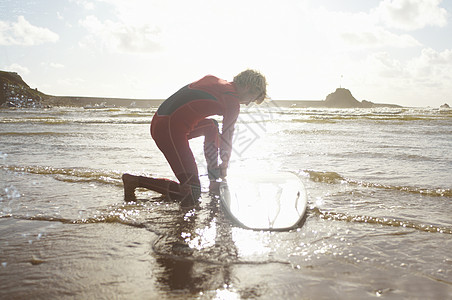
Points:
(275, 201)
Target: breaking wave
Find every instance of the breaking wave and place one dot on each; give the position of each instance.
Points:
(335, 178)
(393, 222)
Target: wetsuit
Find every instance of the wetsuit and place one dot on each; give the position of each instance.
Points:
(184, 116)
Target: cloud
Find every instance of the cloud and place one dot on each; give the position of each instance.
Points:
(71, 81)
(23, 33)
(386, 66)
(411, 14)
(432, 57)
(120, 37)
(429, 70)
(432, 64)
(56, 65)
(379, 37)
(421, 80)
(350, 31)
(21, 70)
(88, 5)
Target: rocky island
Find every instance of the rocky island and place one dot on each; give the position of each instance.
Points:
(343, 98)
(14, 92)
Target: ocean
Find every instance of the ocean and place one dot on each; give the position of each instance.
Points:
(379, 216)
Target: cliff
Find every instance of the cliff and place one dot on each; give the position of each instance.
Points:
(14, 92)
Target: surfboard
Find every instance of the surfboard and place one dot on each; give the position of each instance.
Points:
(264, 201)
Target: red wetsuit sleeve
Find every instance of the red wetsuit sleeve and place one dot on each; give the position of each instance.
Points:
(229, 118)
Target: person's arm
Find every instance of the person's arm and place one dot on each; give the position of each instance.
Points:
(229, 119)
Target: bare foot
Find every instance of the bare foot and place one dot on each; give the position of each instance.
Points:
(129, 182)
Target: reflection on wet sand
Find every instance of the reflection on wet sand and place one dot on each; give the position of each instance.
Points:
(195, 256)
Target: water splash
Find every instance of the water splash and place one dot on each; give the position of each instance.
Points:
(8, 199)
(3, 156)
(326, 177)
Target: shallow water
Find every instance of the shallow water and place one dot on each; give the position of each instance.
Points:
(379, 213)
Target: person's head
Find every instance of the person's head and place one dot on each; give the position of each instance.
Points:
(251, 86)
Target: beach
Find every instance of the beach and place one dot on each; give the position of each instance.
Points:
(379, 216)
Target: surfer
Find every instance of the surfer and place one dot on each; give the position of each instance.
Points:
(184, 116)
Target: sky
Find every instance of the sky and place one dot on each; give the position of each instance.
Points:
(388, 51)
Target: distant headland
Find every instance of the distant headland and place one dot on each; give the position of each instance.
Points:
(14, 92)
(341, 98)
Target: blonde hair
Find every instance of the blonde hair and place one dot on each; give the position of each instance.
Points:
(255, 81)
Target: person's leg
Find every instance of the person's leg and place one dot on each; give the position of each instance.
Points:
(173, 142)
(209, 129)
(169, 188)
(187, 193)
